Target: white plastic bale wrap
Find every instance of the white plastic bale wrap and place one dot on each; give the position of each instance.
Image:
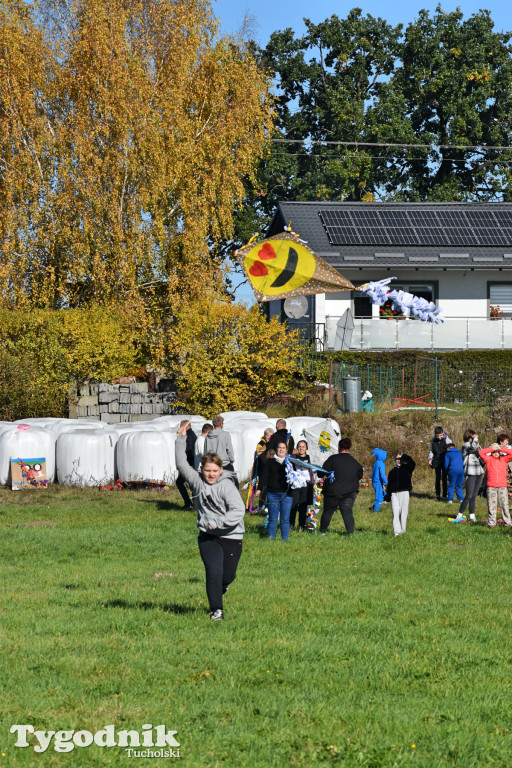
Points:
(71, 425)
(146, 456)
(173, 421)
(230, 416)
(245, 435)
(85, 458)
(43, 421)
(128, 426)
(19, 442)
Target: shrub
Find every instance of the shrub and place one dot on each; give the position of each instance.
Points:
(44, 352)
(227, 357)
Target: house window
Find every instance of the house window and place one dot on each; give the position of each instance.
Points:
(423, 290)
(362, 305)
(500, 295)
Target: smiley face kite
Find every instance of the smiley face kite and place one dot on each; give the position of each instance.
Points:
(283, 265)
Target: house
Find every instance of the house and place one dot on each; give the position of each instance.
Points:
(458, 255)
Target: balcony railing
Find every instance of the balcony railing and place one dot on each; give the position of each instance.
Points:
(401, 333)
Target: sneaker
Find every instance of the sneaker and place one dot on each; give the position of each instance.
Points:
(216, 615)
(459, 519)
(449, 502)
(438, 498)
(473, 518)
(489, 525)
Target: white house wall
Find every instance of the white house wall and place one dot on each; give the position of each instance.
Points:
(461, 293)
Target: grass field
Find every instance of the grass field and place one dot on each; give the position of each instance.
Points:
(353, 651)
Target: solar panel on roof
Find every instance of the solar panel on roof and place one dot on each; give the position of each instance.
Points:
(413, 227)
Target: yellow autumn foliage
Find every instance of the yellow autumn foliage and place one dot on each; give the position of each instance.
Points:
(48, 351)
(227, 357)
(127, 128)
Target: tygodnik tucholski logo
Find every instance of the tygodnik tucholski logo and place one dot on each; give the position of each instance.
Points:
(135, 743)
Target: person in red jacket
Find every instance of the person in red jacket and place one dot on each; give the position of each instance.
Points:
(496, 460)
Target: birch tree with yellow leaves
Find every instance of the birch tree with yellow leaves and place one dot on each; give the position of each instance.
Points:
(126, 129)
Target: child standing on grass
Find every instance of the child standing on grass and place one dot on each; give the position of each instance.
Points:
(438, 446)
(379, 478)
(398, 490)
(496, 459)
(220, 519)
(455, 471)
(473, 472)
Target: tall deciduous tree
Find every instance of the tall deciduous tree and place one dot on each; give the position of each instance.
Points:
(445, 80)
(454, 87)
(126, 128)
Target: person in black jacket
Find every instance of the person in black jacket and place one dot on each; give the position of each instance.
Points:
(398, 490)
(281, 435)
(190, 453)
(303, 496)
(274, 484)
(343, 490)
(438, 446)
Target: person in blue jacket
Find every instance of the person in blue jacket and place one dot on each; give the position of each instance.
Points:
(379, 479)
(454, 465)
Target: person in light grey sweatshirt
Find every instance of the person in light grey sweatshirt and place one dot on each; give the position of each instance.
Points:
(220, 520)
(218, 441)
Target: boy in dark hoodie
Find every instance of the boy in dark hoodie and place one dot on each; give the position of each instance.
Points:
(398, 490)
(379, 478)
(438, 446)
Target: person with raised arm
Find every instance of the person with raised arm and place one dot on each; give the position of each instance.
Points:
(496, 458)
(220, 519)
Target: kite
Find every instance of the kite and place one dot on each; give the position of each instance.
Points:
(283, 265)
(407, 303)
(299, 463)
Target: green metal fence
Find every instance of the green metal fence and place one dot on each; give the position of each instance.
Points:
(427, 380)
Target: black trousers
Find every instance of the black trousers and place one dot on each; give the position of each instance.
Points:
(441, 475)
(300, 505)
(182, 488)
(220, 557)
(331, 504)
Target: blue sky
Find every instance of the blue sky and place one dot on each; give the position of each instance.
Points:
(271, 15)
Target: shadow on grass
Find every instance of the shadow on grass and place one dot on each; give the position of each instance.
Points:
(175, 608)
(165, 506)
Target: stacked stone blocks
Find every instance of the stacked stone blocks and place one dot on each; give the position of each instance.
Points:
(115, 403)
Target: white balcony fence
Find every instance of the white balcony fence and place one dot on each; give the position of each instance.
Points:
(401, 333)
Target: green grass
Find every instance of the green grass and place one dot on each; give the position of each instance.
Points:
(361, 651)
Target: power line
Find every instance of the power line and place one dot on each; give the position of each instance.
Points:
(383, 158)
(382, 144)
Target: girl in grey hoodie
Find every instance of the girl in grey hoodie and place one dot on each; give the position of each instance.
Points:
(220, 519)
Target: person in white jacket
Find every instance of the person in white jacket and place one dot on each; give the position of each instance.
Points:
(220, 519)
